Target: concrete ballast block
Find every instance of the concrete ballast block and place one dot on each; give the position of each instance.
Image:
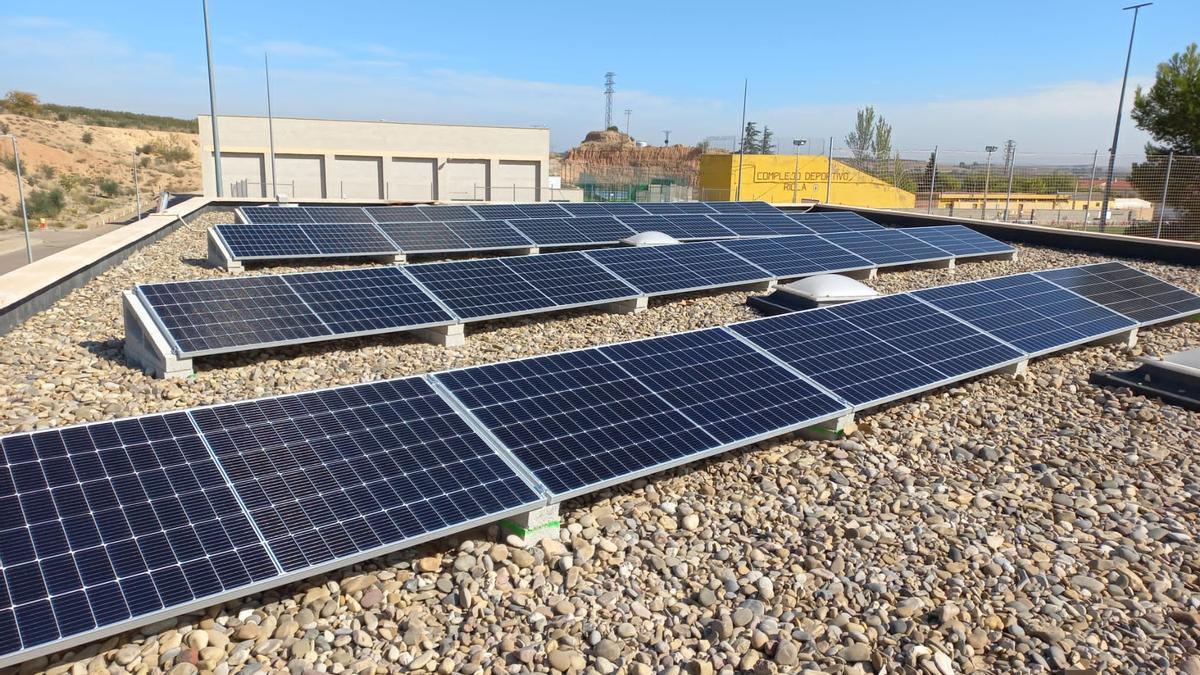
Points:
(630, 306)
(219, 256)
(145, 345)
(837, 428)
(534, 526)
(1126, 339)
(444, 336)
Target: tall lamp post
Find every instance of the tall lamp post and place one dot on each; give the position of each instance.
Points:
(212, 103)
(21, 196)
(1112, 152)
(987, 178)
(798, 143)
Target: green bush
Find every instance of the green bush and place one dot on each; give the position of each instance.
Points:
(169, 152)
(108, 187)
(47, 203)
(87, 138)
(10, 162)
(46, 171)
(63, 117)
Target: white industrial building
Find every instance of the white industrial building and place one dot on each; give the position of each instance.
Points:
(356, 160)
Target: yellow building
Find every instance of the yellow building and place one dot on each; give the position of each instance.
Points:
(1022, 203)
(775, 178)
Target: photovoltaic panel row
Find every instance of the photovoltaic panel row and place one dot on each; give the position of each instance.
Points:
(1127, 291)
(654, 270)
(683, 227)
(887, 247)
(827, 222)
(1027, 312)
(350, 302)
(585, 419)
(759, 224)
(873, 351)
(583, 230)
(267, 240)
(962, 241)
(104, 525)
(275, 214)
(337, 214)
(786, 257)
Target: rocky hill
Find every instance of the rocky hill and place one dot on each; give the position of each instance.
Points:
(77, 174)
(613, 157)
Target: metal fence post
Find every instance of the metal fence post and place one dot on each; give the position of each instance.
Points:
(1008, 196)
(1087, 209)
(1162, 206)
(829, 173)
(932, 181)
(137, 189)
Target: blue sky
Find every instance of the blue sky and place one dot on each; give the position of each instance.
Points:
(957, 74)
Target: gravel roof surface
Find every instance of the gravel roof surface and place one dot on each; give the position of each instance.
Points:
(996, 525)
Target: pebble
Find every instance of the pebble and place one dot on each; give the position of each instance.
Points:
(993, 525)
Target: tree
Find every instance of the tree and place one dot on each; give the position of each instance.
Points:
(767, 145)
(750, 138)
(881, 143)
(862, 138)
(46, 203)
(21, 103)
(1170, 110)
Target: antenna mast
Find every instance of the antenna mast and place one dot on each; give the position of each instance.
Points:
(608, 92)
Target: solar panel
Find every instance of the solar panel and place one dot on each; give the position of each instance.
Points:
(111, 522)
(266, 240)
(550, 231)
(823, 223)
(367, 300)
(488, 234)
(497, 211)
(209, 316)
(585, 209)
(1128, 291)
(275, 214)
(542, 210)
(424, 237)
(887, 247)
(330, 474)
(448, 213)
(852, 220)
(396, 214)
(348, 238)
(668, 208)
(678, 267)
(478, 289)
(337, 214)
(742, 207)
(744, 224)
(601, 229)
(1026, 311)
(796, 256)
(576, 419)
(570, 278)
(621, 209)
(680, 226)
(873, 351)
(959, 240)
(725, 386)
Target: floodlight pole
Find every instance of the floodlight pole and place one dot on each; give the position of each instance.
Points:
(1112, 152)
(1012, 160)
(932, 181)
(212, 103)
(742, 135)
(270, 127)
(21, 196)
(1091, 185)
(987, 178)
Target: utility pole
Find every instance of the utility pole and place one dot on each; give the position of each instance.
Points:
(1112, 152)
(667, 137)
(829, 173)
(987, 179)
(21, 196)
(1010, 158)
(270, 128)
(742, 145)
(137, 188)
(628, 113)
(797, 143)
(932, 179)
(212, 103)
(1091, 184)
(608, 94)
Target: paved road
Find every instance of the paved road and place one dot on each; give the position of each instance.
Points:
(45, 242)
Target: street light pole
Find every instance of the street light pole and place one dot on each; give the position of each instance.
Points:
(212, 104)
(1112, 152)
(797, 142)
(21, 196)
(270, 128)
(742, 135)
(987, 179)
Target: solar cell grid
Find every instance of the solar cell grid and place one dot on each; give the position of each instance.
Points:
(743, 224)
(796, 256)
(875, 350)
(742, 207)
(337, 214)
(449, 213)
(266, 240)
(1127, 291)
(542, 211)
(680, 226)
(475, 289)
(1026, 311)
(396, 214)
(329, 474)
(488, 234)
(275, 214)
(423, 237)
(622, 209)
(550, 231)
(959, 240)
(209, 316)
(601, 229)
(570, 278)
(348, 238)
(649, 269)
(367, 300)
(113, 521)
(497, 211)
(585, 209)
(887, 247)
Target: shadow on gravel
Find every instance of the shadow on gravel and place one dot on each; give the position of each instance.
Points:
(109, 350)
(197, 262)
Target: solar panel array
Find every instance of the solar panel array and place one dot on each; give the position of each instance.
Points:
(276, 232)
(113, 524)
(207, 317)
